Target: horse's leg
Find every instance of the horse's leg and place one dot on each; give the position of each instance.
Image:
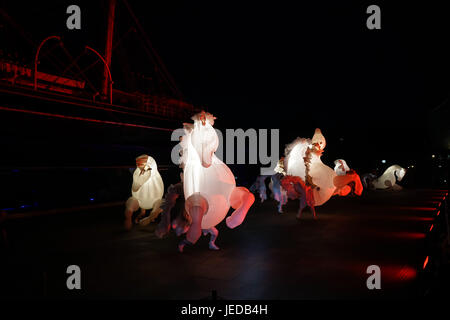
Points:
(214, 233)
(278, 195)
(163, 227)
(280, 199)
(314, 212)
(139, 216)
(302, 206)
(241, 200)
(280, 207)
(358, 184)
(169, 202)
(156, 210)
(262, 194)
(180, 225)
(196, 205)
(262, 188)
(130, 206)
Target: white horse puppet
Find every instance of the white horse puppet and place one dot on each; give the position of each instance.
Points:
(209, 185)
(303, 159)
(388, 180)
(340, 167)
(147, 192)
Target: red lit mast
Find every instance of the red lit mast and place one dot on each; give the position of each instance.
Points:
(108, 47)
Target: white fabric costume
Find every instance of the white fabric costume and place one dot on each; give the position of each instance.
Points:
(216, 182)
(302, 159)
(147, 187)
(341, 167)
(389, 178)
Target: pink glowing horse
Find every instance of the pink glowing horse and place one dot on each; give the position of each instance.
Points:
(209, 185)
(302, 159)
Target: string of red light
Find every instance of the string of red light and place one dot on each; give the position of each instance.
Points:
(84, 119)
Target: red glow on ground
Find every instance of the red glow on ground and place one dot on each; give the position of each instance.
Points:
(431, 228)
(438, 213)
(425, 262)
(408, 235)
(396, 273)
(424, 219)
(417, 208)
(407, 273)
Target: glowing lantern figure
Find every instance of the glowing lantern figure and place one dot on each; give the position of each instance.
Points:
(302, 159)
(147, 192)
(389, 178)
(209, 185)
(340, 167)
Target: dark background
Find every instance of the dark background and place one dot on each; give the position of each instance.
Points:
(376, 94)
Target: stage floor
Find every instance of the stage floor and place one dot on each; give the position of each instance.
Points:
(270, 256)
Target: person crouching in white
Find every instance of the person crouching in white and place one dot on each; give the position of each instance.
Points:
(147, 192)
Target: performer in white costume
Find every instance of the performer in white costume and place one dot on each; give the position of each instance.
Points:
(302, 159)
(147, 192)
(209, 185)
(340, 167)
(388, 180)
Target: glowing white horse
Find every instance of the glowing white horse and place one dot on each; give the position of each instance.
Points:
(389, 178)
(340, 167)
(209, 185)
(302, 159)
(147, 192)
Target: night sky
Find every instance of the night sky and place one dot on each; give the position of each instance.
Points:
(286, 66)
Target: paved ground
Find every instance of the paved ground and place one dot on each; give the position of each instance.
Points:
(270, 256)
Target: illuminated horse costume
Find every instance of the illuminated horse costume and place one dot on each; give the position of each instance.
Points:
(340, 167)
(209, 185)
(318, 182)
(147, 192)
(389, 178)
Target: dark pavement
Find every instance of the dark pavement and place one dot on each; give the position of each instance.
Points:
(270, 256)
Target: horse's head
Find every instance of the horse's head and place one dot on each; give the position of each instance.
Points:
(318, 140)
(146, 163)
(181, 223)
(204, 138)
(204, 118)
(340, 166)
(400, 173)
